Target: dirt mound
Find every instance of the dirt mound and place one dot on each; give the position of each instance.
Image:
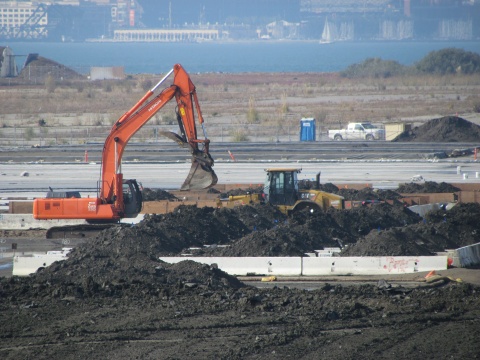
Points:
(157, 194)
(368, 194)
(348, 194)
(113, 298)
(459, 225)
(249, 190)
(329, 187)
(261, 230)
(360, 221)
(304, 232)
(427, 187)
(439, 230)
(445, 129)
(391, 242)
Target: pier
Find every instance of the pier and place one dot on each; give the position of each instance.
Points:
(159, 35)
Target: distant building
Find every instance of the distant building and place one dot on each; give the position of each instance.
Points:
(107, 73)
(282, 30)
(66, 20)
(23, 20)
(8, 67)
(391, 20)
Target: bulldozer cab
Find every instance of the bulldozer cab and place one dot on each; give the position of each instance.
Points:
(132, 198)
(281, 186)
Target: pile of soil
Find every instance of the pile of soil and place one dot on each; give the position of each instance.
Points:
(157, 194)
(234, 192)
(440, 230)
(427, 187)
(113, 298)
(368, 194)
(445, 129)
(364, 194)
(261, 230)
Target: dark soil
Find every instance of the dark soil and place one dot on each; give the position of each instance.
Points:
(113, 299)
(445, 129)
(234, 192)
(427, 187)
(157, 194)
(353, 194)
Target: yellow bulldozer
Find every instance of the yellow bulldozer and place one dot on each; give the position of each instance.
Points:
(281, 189)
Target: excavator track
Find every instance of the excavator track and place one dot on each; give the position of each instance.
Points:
(77, 231)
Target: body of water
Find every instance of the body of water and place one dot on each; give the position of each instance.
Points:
(230, 57)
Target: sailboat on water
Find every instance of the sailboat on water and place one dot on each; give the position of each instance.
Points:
(327, 34)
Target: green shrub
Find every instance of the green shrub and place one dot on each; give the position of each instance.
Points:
(50, 84)
(476, 107)
(239, 135)
(449, 61)
(28, 134)
(146, 84)
(374, 68)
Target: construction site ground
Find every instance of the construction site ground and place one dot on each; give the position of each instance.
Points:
(113, 299)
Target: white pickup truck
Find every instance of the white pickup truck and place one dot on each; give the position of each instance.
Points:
(358, 131)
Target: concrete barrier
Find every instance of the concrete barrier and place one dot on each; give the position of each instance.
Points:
(20, 207)
(26, 265)
(372, 265)
(317, 266)
(243, 266)
(278, 266)
(26, 221)
(468, 255)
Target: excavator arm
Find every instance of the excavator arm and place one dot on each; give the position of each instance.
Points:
(201, 175)
(111, 204)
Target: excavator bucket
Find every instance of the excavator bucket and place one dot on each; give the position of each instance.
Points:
(201, 175)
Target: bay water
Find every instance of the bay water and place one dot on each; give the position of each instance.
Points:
(229, 57)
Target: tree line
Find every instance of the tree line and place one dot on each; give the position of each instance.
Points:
(440, 62)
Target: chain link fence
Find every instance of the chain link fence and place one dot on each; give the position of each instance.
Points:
(77, 135)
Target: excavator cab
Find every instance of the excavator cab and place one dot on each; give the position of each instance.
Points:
(132, 198)
(281, 186)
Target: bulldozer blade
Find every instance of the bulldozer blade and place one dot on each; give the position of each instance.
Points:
(201, 176)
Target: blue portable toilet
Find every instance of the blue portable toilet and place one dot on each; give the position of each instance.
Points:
(307, 129)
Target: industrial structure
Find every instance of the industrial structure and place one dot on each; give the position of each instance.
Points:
(188, 20)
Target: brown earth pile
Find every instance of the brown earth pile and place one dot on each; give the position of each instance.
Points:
(445, 129)
(113, 299)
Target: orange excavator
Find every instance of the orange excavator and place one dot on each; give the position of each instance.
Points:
(118, 198)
